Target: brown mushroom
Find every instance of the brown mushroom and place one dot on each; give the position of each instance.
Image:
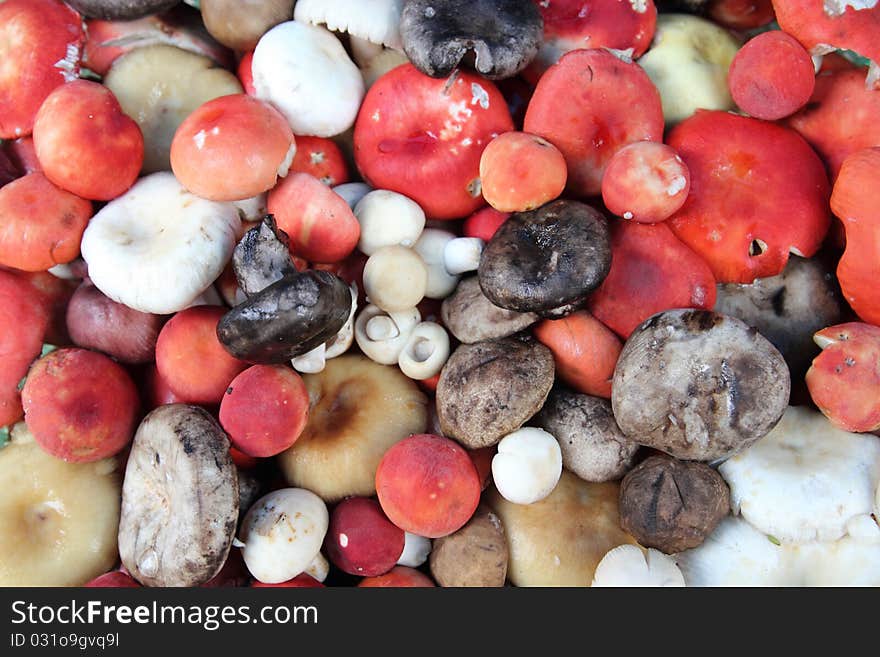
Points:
(471, 317)
(239, 24)
(475, 555)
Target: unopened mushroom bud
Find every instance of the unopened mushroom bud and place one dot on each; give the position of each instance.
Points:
(353, 192)
(463, 254)
(415, 550)
(425, 352)
(282, 534)
(395, 278)
(388, 218)
(382, 336)
(431, 246)
(527, 466)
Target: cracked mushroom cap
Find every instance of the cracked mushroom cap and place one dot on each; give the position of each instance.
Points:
(503, 35)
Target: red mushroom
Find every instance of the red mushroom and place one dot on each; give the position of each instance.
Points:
(758, 192)
(589, 105)
(856, 202)
(741, 14)
(423, 137)
(651, 271)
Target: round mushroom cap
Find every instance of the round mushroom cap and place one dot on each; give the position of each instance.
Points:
(672, 505)
(471, 317)
(593, 446)
(120, 10)
(698, 385)
(490, 389)
(560, 540)
(546, 258)
(504, 35)
(475, 555)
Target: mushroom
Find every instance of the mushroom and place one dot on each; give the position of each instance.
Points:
(306, 74)
(471, 317)
(805, 480)
(425, 351)
(379, 65)
(503, 35)
(289, 318)
(157, 247)
(262, 257)
(560, 540)
(462, 255)
(527, 466)
(431, 247)
(375, 21)
(353, 192)
(179, 499)
(475, 555)
(239, 24)
(120, 10)
(631, 565)
(415, 550)
(490, 389)
(698, 385)
(383, 335)
(387, 219)
(545, 258)
(672, 505)
(395, 278)
(593, 446)
(313, 361)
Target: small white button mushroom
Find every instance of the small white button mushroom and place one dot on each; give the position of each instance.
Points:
(388, 218)
(319, 568)
(628, 565)
(282, 534)
(431, 247)
(462, 254)
(382, 335)
(425, 352)
(395, 278)
(527, 466)
(353, 192)
(416, 550)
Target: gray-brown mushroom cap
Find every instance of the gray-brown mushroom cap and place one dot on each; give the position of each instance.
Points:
(475, 555)
(672, 505)
(490, 389)
(503, 35)
(593, 446)
(120, 10)
(471, 317)
(546, 258)
(698, 385)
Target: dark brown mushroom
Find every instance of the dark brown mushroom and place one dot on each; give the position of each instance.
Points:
(502, 35)
(490, 389)
(540, 260)
(120, 10)
(698, 385)
(672, 505)
(471, 317)
(262, 257)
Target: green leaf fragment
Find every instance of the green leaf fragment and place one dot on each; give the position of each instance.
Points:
(47, 349)
(854, 57)
(773, 540)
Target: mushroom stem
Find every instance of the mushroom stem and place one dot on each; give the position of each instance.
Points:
(462, 254)
(381, 327)
(425, 352)
(319, 568)
(312, 361)
(382, 336)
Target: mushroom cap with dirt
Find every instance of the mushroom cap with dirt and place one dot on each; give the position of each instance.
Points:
(471, 317)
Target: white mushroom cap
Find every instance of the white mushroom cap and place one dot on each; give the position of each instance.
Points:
(425, 352)
(382, 335)
(388, 218)
(377, 21)
(628, 565)
(352, 192)
(527, 466)
(158, 247)
(282, 534)
(306, 74)
(430, 247)
(416, 550)
(463, 254)
(805, 479)
(395, 278)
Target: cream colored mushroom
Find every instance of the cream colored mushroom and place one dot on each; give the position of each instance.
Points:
(431, 247)
(395, 278)
(463, 254)
(425, 352)
(386, 219)
(382, 335)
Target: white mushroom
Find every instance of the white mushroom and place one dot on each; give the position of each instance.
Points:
(376, 21)
(210, 297)
(805, 479)
(425, 352)
(282, 534)
(306, 74)
(353, 192)
(363, 51)
(253, 208)
(415, 550)
(314, 361)
(158, 247)
(319, 568)
(527, 466)
(382, 335)
(388, 218)
(430, 247)
(628, 565)
(463, 254)
(395, 278)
